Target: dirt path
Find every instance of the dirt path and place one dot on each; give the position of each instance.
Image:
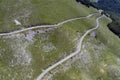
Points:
(46, 26)
(72, 54)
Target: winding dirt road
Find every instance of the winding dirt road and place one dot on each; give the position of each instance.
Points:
(78, 49)
(46, 26)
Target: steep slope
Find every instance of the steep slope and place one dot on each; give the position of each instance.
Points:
(98, 60)
(111, 8)
(37, 12)
(24, 55)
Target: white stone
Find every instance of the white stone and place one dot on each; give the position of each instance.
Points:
(17, 22)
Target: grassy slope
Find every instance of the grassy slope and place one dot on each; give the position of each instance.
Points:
(63, 39)
(100, 58)
(38, 12)
(13, 63)
(111, 40)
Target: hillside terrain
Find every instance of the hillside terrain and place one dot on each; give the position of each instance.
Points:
(37, 34)
(111, 7)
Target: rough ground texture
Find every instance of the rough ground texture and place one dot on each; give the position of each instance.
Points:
(24, 55)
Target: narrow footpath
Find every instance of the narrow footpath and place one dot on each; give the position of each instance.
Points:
(47, 26)
(78, 49)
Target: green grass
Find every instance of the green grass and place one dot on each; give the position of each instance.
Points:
(108, 38)
(71, 74)
(64, 40)
(7, 58)
(55, 11)
(39, 12)
(101, 57)
(59, 40)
